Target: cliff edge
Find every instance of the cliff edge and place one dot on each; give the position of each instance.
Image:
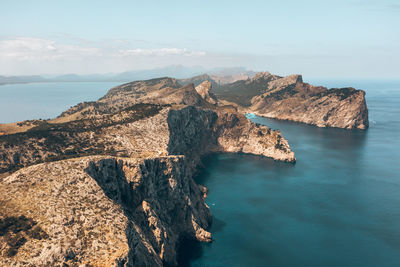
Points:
(111, 184)
(289, 98)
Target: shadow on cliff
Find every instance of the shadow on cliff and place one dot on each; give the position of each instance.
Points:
(188, 251)
(109, 175)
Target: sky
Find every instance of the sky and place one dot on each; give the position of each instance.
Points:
(342, 38)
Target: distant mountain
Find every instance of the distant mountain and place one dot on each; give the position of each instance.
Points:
(230, 75)
(196, 80)
(21, 79)
(219, 75)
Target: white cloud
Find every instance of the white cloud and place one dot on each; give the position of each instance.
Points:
(160, 52)
(31, 49)
(27, 55)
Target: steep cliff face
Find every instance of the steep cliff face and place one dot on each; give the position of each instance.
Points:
(195, 132)
(290, 99)
(101, 211)
(96, 209)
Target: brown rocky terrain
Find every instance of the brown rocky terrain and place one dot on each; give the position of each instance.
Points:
(289, 98)
(110, 182)
(100, 211)
(204, 90)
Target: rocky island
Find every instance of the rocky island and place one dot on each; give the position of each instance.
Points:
(110, 182)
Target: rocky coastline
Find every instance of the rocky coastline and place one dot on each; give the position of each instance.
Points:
(112, 184)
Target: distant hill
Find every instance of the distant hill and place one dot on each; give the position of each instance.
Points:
(21, 79)
(219, 75)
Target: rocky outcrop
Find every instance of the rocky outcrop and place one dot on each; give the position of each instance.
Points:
(154, 91)
(159, 91)
(101, 211)
(197, 132)
(291, 99)
(204, 89)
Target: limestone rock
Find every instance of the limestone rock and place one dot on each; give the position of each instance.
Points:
(203, 90)
(103, 211)
(291, 99)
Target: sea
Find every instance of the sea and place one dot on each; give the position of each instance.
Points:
(46, 100)
(338, 205)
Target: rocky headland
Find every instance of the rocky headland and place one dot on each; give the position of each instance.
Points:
(111, 183)
(289, 98)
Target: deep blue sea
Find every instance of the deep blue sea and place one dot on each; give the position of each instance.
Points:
(339, 205)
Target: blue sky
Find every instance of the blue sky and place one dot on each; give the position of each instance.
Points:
(316, 38)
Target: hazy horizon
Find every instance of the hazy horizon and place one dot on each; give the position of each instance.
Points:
(344, 39)
(210, 71)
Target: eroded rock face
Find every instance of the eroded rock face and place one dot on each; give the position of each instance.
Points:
(203, 90)
(290, 99)
(104, 211)
(195, 132)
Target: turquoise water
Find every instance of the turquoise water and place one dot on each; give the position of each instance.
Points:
(46, 100)
(339, 205)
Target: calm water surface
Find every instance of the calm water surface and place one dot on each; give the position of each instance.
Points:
(339, 205)
(46, 100)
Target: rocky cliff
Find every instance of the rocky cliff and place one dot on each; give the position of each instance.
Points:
(114, 187)
(204, 90)
(289, 98)
(100, 211)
